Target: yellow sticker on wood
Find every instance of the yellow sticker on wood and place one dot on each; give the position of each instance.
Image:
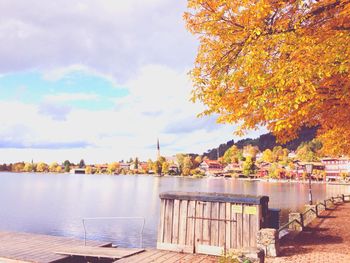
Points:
(238, 209)
(250, 210)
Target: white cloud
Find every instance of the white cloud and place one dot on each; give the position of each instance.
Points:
(109, 135)
(140, 45)
(107, 36)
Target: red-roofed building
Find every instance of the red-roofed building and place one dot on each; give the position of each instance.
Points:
(211, 167)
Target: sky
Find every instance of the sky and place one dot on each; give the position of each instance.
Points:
(99, 80)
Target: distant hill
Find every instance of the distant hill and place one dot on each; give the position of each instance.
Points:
(265, 141)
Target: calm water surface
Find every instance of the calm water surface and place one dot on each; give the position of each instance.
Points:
(55, 204)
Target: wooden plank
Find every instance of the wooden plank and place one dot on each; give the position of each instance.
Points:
(6, 260)
(222, 225)
(209, 250)
(145, 259)
(254, 223)
(140, 257)
(239, 230)
(99, 252)
(206, 224)
(165, 257)
(228, 226)
(214, 231)
(178, 257)
(199, 222)
(168, 228)
(175, 247)
(233, 228)
(37, 248)
(191, 223)
(183, 222)
(161, 221)
(214, 197)
(161, 256)
(175, 237)
(246, 227)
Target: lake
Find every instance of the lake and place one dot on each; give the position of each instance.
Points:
(55, 204)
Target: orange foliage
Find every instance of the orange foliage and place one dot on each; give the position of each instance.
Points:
(281, 64)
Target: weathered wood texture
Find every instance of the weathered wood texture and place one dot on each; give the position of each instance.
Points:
(207, 227)
(99, 252)
(158, 256)
(25, 247)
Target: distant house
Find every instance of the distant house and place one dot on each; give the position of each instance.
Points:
(334, 167)
(233, 168)
(263, 169)
(211, 167)
(143, 166)
(173, 169)
(124, 166)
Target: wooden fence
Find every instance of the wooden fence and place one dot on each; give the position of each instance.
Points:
(210, 223)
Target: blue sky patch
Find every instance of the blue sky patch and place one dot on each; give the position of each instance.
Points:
(31, 87)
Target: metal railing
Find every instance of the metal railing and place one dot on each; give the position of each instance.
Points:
(315, 211)
(116, 218)
(289, 223)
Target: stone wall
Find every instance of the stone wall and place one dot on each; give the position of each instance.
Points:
(268, 241)
(309, 215)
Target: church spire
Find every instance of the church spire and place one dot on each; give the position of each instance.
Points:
(158, 148)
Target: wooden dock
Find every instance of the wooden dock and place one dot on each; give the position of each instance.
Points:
(26, 247)
(163, 256)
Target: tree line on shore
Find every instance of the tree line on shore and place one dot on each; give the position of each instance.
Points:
(279, 158)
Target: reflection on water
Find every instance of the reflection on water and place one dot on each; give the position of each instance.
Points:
(56, 204)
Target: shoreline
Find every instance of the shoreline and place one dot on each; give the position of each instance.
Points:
(266, 180)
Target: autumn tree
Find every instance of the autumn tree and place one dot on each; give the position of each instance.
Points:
(59, 169)
(149, 165)
(157, 167)
(66, 165)
(267, 156)
(165, 168)
(279, 64)
(28, 167)
(42, 167)
(187, 166)
(180, 160)
(197, 161)
(251, 151)
(136, 163)
(112, 167)
(161, 159)
(17, 167)
(88, 169)
(231, 155)
(309, 151)
(248, 166)
(53, 167)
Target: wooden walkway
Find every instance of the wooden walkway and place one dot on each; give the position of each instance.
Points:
(163, 256)
(25, 247)
(100, 252)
